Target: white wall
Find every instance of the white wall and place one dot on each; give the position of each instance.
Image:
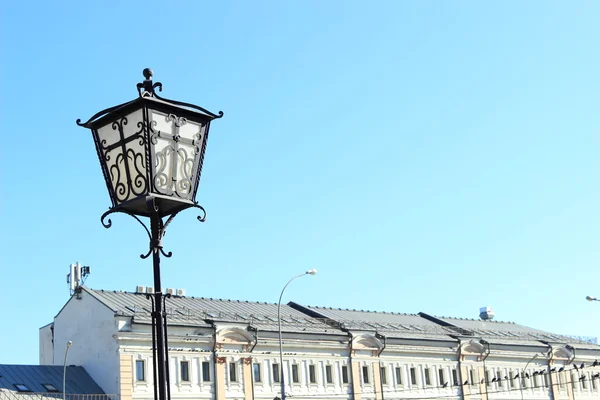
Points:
(90, 326)
(46, 345)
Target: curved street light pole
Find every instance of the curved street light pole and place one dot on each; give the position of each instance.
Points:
(64, 388)
(281, 375)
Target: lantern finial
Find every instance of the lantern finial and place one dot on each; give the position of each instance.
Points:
(147, 86)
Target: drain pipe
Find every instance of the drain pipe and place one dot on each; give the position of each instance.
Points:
(351, 366)
(460, 377)
(485, 375)
(252, 349)
(214, 351)
(383, 338)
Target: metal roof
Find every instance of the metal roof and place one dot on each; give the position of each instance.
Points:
(35, 376)
(502, 332)
(199, 311)
(385, 323)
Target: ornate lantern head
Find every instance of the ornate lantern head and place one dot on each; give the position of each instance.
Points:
(151, 146)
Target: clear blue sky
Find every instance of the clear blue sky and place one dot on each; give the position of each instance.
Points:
(423, 156)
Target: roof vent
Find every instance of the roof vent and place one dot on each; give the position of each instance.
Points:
(170, 291)
(486, 313)
(140, 289)
(149, 290)
(180, 292)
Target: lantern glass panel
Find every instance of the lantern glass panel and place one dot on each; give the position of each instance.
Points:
(176, 148)
(122, 146)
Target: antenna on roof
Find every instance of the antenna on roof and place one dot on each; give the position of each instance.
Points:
(76, 276)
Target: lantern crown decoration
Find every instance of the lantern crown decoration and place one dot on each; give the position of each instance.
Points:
(151, 146)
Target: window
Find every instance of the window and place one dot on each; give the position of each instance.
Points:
(206, 371)
(383, 376)
(344, 374)
(256, 372)
(398, 371)
(584, 381)
(561, 379)
(441, 376)
(427, 377)
(233, 372)
(22, 387)
(140, 371)
(511, 376)
(594, 385)
(312, 375)
(365, 374)
(184, 371)
(454, 377)
(295, 376)
(472, 376)
(276, 373)
(328, 374)
(413, 376)
(49, 387)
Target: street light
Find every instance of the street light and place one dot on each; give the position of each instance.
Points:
(64, 388)
(591, 298)
(281, 375)
(151, 151)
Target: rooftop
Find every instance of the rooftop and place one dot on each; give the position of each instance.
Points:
(46, 379)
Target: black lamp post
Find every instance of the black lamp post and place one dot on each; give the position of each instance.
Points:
(151, 151)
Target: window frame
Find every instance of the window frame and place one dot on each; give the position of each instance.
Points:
(276, 371)
(50, 388)
(366, 375)
(206, 371)
(383, 373)
(427, 375)
(398, 376)
(143, 370)
(454, 377)
(232, 372)
(256, 373)
(345, 375)
(413, 376)
(312, 374)
(186, 369)
(21, 387)
(329, 374)
(295, 373)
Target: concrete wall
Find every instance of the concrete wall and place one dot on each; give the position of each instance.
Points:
(46, 345)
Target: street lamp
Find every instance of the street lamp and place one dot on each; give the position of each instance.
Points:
(64, 388)
(151, 151)
(591, 298)
(281, 375)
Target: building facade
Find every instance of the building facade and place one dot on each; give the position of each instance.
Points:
(225, 349)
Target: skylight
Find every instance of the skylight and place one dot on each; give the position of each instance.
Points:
(22, 387)
(50, 387)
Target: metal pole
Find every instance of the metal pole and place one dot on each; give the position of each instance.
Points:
(161, 350)
(64, 388)
(280, 338)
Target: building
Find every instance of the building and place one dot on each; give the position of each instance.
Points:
(225, 349)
